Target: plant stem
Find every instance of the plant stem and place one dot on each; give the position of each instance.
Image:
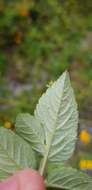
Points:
(43, 164)
(45, 158)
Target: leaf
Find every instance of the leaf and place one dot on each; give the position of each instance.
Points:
(68, 178)
(29, 128)
(15, 153)
(57, 113)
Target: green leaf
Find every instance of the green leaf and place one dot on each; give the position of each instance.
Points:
(30, 129)
(15, 153)
(68, 178)
(57, 113)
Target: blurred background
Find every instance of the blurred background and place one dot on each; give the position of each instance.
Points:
(38, 41)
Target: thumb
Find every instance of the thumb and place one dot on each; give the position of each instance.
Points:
(24, 180)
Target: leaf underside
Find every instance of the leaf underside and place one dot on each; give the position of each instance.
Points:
(15, 154)
(52, 131)
(57, 113)
(29, 128)
(68, 178)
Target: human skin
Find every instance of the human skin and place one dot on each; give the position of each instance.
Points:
(24, 180)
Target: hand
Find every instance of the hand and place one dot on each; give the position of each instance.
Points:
(24, 180)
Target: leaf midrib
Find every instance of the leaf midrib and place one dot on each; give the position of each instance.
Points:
(51, 139)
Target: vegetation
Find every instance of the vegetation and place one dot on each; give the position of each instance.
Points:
(38, 41)
(46, 140)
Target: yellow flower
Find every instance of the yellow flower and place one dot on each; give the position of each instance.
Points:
(85, 137)
(8, 124)
(89, 164)
(85, 164)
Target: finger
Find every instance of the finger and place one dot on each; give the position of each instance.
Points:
(24, 180)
